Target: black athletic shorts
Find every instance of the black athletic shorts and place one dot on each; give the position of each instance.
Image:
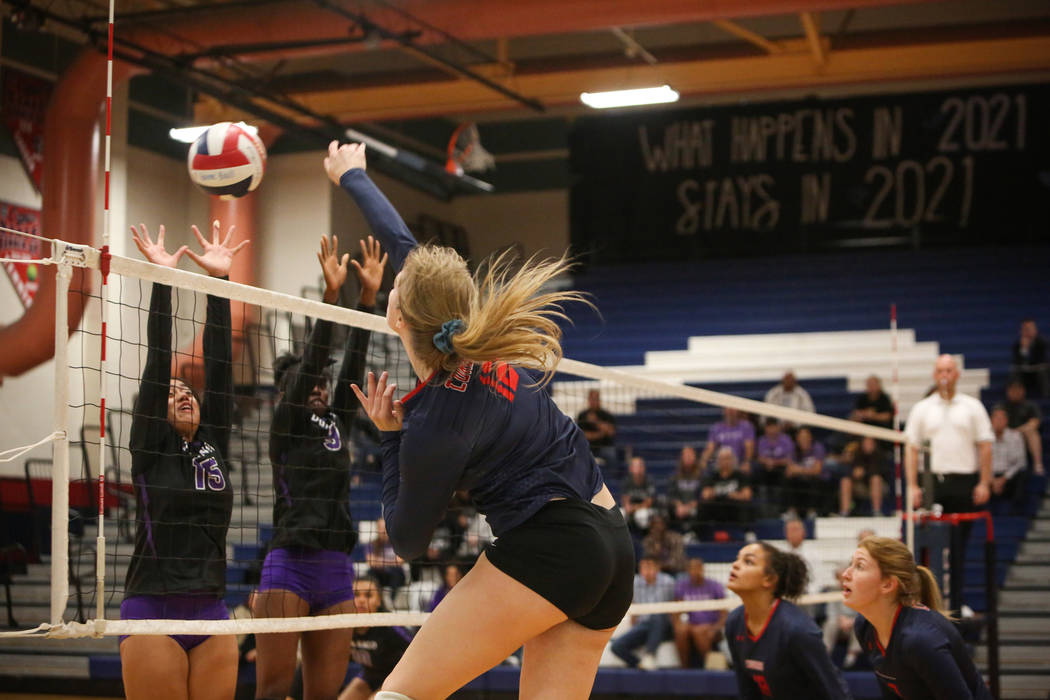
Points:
(577, 555)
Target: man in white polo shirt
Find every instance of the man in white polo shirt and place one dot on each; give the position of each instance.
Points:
(960, 437)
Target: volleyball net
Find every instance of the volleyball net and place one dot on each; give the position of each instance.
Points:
(683, 501)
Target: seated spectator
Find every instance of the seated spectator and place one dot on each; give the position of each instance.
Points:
(865, 479)
(383, 565)
(375, 649)
(664, 545)
(795, 534)
(775, 450)
(1029, 361)
(788, 393)
(700, 630)
(450, 577)
(476, 534)
(647, 631)
(599, 427)
(874, 407)
(636, 496)
(683, 492)
(725, 495)
(732, 431)
(838, 626)
(1008, 459)
(804, 476)
(1024, 417)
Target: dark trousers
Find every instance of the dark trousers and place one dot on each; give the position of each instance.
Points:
(955, 494)
(650, 631)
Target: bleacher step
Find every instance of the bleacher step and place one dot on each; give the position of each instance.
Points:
(1029, 575)
(45, 645)
(45, 666)
(1034, 551)
(1016, 656)
(1024, 625)
(1015, 686)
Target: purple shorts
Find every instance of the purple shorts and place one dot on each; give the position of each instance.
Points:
(187, 606)
(321, 577)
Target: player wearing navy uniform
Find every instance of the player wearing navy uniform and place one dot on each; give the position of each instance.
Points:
(559, 577)
(777, 649)
(307, 570)
(183, 496)
(914, 648)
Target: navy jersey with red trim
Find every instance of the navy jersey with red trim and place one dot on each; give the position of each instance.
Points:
(377, 650)
(484, 428)
(926, 658)
(182, 489)
(787, 660)
(309, 453)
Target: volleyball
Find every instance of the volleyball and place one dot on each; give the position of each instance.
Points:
(227, 160)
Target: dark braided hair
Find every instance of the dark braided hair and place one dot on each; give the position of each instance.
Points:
(790, 570)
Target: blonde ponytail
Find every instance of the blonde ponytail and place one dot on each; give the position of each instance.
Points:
(502, 314)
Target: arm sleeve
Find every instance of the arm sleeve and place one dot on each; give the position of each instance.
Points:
(301, 380)
(913, 426)
(354, 356)
(419, 476)
(934, 663)
(982, 424)
(151, 406)
(811, 655)
(217, 408)
(384, 220)
(746, 688)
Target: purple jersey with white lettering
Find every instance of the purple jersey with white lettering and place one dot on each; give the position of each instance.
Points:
(787, 659)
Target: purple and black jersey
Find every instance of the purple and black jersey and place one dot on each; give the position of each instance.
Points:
(485, 428)
(926, 658)
(786, 660)
(377, 650)
(310, 454)
(182, 489)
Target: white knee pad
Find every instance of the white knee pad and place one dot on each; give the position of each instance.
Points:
(388, 695)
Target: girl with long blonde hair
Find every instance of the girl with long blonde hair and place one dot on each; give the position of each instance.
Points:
(559, 577)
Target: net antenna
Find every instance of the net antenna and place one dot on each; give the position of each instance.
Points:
(465, 152)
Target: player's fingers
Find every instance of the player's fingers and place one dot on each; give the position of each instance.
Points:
(215, 232)
(357, 267)
(160, 236)
(200, 237)
(229, 235)
(333, 148)
(196, 258)
(346, 259)
(237, 248)
(324, 248)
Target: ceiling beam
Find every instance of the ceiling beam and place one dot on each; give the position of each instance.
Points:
(747, 35)
(811, 25)
(791, 69)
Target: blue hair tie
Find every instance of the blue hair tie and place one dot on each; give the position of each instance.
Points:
(443, 338)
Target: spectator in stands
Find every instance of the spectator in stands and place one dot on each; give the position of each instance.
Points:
(1008, 458)
(664, 545)
(804, 476)
(477, 533)
(775, 449)
(725, 494)
(795, 534)
(375, 649)
(702, 629)
(874, 406)
(383, 565)
(650, 631)
(599, 427)
(865, 479)
(1029, 362)
(960, 436)
(788, 393)
(636, 496)
(732, 431)
(683, 492)
(1024, 417)
(838, 626)
(450, 577)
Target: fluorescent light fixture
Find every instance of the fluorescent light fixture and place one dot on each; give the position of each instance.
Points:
(629, 98)
(190, 134)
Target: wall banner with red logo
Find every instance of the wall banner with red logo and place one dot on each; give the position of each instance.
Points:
(24, 276)
(25, 99)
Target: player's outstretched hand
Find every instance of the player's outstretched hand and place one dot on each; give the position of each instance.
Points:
(333, 267)
(154, 251)
(217, 258)
(379, 403)
(343, 158)
(370, 270)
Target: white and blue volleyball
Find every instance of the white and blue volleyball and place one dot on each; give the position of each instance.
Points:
(227, 160)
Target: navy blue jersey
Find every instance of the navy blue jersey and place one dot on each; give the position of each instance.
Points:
(786, 660)
(926, 658)
(183, 495)
(485, 429)
(309, 452)
(377, 650)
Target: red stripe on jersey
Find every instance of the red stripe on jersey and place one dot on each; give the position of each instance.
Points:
(772, 610)
(890, 638)
(419, 387)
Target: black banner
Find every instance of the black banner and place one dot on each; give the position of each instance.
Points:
(959, 167)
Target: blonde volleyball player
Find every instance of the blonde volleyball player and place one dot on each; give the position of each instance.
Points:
(559, 577)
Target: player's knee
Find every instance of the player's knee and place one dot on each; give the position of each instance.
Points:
(390, 695)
